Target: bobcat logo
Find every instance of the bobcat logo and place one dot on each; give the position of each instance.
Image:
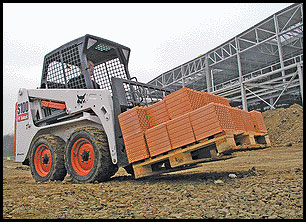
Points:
(81, 99)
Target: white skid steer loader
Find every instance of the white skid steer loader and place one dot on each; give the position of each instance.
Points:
(69, 123)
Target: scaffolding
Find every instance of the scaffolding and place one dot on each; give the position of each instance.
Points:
(260, 68)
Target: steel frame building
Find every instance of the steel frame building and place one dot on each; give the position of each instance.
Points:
(260, 68)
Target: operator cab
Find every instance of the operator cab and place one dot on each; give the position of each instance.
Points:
(67, 66)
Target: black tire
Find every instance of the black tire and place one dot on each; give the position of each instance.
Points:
(87, 156)
(47, 158)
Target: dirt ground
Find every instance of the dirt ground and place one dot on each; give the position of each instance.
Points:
(262, 183)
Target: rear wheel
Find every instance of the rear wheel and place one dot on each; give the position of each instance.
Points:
(47, 158)
(87, 156)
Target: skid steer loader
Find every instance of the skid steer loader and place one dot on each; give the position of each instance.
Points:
(69, 123)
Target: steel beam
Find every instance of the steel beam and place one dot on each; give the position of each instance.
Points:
(260, 98)
(285, 88)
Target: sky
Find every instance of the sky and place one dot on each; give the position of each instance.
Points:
(161, 36)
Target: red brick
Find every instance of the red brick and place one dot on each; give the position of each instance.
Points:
(215, 98)
(183, 101)
(158, 140)
(136, 148)
(210, 120)
(157, 113)
(258, 122)
(133, 121)
(180, 131)
(237, 118)
(247, 120)
(224, 116)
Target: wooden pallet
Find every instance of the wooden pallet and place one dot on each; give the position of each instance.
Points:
(251, 140)
(213, 148)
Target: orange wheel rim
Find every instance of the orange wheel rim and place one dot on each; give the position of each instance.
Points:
(82, 156)
(42, 160)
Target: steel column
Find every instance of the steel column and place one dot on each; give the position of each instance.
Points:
(280, 50)
(183, 75)
(300, 73)
(212, 80)
(243, 93)
(208, 74)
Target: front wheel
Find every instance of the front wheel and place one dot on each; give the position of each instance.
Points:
(47, 158)
(87, 156)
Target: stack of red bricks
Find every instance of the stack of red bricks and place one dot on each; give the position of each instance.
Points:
(183, 117)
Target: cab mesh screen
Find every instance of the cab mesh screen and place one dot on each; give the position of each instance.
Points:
(63, 69)
(105, 71)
